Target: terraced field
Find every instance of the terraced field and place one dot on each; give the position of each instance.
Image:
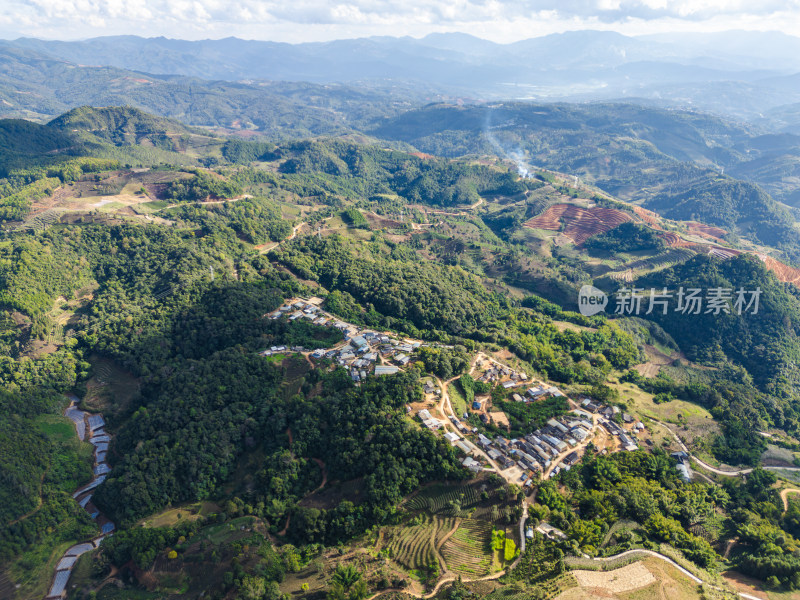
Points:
(723, 253)
(666, 259)
(673, 240)
(648, 216)
(467, 552)
(41, 221)
(438, 498)
(578, 224)
(411, 546)
(625, 276)
(701, 229)
(552, 588)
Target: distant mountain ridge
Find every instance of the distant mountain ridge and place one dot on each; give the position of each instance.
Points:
(735, 73)
(39, 87)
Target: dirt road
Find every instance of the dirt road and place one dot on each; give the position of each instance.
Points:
(723, 472)
(264, 248)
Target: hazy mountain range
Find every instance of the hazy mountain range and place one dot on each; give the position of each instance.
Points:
(738, 73)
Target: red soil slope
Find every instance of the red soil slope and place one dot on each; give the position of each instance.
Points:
(648, 216)
(706, 231)
(783, 272)
(579, 223)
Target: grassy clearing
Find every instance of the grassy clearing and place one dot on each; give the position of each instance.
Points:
(187, 512)
(782, 595)
(71, 459)
(693, 422)
(112, 592)
(793, 476)
(457, 399)
(33, 571)
(774, 455)
(218, 534)
(57, 428)
(564, 325)
(147, 208)
(111, 207)
(61, 316)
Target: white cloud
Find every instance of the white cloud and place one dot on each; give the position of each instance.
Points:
(301, 20)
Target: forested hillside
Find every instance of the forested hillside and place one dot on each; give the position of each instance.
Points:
(669, 161)
(123, 126)
(254, 445)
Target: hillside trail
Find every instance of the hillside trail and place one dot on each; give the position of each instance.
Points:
(207, 202)
(437, 547)
(379, 542)
(785, 497)
(448, 534)
(472, 206)
(283, 531)
(324, 470)
(439, 558)
(263, 249)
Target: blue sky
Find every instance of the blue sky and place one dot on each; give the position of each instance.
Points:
(317, 20)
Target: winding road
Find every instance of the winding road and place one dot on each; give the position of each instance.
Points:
(723, 472)
(636, 551)
(446, 410)
(689, 574)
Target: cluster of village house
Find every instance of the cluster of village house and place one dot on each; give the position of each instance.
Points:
(368, 352)
(538, 450)
(365, 352)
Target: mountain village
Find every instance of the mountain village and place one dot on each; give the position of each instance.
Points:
(539, 454)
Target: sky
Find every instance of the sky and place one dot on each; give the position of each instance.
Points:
(318, 20)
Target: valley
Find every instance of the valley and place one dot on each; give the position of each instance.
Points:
(334, 366)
